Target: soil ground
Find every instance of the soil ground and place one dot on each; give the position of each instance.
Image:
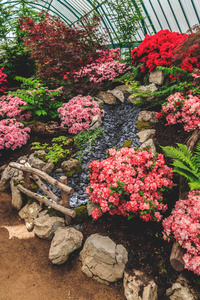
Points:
(26, 273)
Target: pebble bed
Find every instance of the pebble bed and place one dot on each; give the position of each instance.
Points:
(119, 126)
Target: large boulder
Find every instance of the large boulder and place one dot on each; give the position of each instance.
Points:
(45, 226)
(148, 116)
(181, 290)
(69, 164)
(137, 286)
(7, 174)
(29, 213)
(118, 94)
(107, 97)
(36, 162)
(148, 89)
(102, 259)
(65, 241)
(157, 77)
(146, 135)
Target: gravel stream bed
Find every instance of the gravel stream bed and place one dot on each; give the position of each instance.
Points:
(119, 126)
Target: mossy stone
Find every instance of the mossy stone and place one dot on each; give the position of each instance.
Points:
(143, 125)
(127, 143)
(78, 168)
(81, 214)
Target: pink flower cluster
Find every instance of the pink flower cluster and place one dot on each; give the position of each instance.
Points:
(3, 81)
(129, 182)
(78, 113)
(12, 134)
(184, 225)
(11, 107)
(107, 71)
(183, 110)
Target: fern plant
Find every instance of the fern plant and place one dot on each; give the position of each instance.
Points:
(185, 163)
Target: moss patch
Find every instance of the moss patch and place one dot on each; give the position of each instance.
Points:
(127, 143)
(78, 168)
(143, 125)
(81, 214)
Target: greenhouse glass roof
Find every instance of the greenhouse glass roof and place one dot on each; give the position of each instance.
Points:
(175, 15)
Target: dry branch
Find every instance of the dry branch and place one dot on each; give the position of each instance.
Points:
(42, 199)
(44, 176)
(46, 189)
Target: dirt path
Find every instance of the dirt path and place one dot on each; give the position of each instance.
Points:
(26, 273)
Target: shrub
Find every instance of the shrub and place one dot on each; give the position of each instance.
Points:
(129, 182)
(157, 50)
(12, 107)
(184, 110)
(78, 113)
(12, 134)
(183, 225)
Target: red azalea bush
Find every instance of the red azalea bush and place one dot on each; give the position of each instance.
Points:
(12, 134)
(12, 107)
(157, 50)
(130, 182)
(3, 81)
(184, 226)
(184, 110)
(78, 113)
(58, 48)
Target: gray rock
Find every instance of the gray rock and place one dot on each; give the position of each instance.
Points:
(36, 162)
(181, 290)
(102, 258)
(118, 94)
(95, 123)
(107, 97)
(45, 226)
(90, 207)
(148, 116)
(70, 164)
(146, 135)
(157, 77)
(149, 143)
(137, 286)
(65, 241)
(16, 200)
(7, 174)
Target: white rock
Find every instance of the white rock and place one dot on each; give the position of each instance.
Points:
(16, 200)
(149, 143)
(146, 135)
(45, 226)
(157, 77)
(95, 123)
(65, 241)
(181, 290)
(139, 287)
(102, 258)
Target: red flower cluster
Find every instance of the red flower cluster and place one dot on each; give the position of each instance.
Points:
(128, 183)
(3, 81)
(157, 50)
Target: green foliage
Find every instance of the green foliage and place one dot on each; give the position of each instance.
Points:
(57, 152)
(185, 163)
(41, 101)
(129, 77)
(15, 59)
(127, 17)
(87, 136)
(127, 143)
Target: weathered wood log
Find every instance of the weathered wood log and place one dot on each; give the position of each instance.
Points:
(44, 176)
(46, 189)
(42, 199)
(46, 129)
(26, 175)
(176, 259)
(65, 199)
(193, 140)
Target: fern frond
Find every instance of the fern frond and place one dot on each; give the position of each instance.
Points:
(185, 171)
(194, 185)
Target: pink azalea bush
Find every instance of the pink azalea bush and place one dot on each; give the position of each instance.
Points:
(78, 113)
(3, 81)
(184, 110)
(12, 134)
(184, 226)
(12, 107)
(129, 182)
(105, 68)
